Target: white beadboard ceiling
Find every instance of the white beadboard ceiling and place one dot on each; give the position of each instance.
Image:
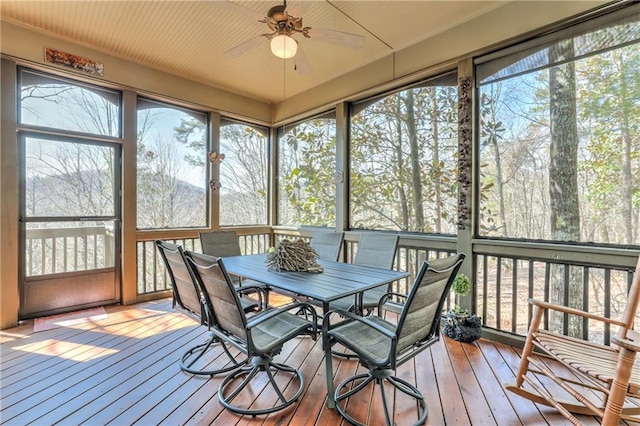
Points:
(188, 38)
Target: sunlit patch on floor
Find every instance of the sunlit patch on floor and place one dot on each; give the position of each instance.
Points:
(67, 350)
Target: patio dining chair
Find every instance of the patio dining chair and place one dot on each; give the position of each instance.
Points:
(260, 338)
(382, 346)
(188, 299)
(327, 244)
(608, 384)
(226, 243)
(376, 250)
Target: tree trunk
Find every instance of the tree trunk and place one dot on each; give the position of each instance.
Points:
(435, 162)
(563, 179)
(416, 182)
(402, 195)
(627, 178)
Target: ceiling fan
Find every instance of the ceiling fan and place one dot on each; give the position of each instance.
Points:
(282, 27)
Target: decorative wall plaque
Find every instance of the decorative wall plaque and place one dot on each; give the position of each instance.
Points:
(73, 61)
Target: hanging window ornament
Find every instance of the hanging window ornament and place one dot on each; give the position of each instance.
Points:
(214, 185)
(216, 158)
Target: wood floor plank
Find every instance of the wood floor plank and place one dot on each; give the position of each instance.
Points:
(527, 411)
(86, 342)
(453, 406)
(477, 407)
(124, 370)
(122, 390)
(82, 386)
(50, 388)
(427, 383)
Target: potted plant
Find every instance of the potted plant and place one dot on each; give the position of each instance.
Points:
(459, 324)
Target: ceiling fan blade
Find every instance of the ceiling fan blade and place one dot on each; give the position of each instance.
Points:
(302, 64)
(244, 11)
(354, 41)
(244, 47)
(297, 9)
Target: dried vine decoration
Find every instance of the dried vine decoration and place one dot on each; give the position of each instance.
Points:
(296, 256)
(464, 151)
(216, 158)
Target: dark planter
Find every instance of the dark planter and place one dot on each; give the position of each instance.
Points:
(462, 327)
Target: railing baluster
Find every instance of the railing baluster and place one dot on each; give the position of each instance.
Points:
(485, 288)
(585, 301)
(498, 291)
(514, 296)
(530, 283)
(565, 295)
(547, 284)
(54, 253)
(607, 304)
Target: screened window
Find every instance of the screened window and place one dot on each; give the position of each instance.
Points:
(243, 174)
(56, 103)
(403, 159)
(306, 170)
(560, 151)
(172, 185)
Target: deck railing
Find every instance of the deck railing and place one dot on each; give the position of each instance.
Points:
(596, 280)
(506, 275)
(152, 276)
(59, 250)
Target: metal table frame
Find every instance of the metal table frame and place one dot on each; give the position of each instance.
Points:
(338, 280)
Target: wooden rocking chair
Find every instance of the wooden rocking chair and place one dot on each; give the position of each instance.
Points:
(610, 371)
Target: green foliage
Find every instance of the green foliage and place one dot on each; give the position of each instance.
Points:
(307, 167)
(461, 285)
(404, 161)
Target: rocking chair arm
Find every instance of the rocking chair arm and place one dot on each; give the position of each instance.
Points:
(626, 343)
(572, 311)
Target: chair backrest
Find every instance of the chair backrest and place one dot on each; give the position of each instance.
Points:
(327, 244)
(220, 294)
(377, 250)
(186, 294)
(631, 310)
(220, 243)
(420, 317)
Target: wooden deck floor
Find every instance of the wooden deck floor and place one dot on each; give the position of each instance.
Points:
(124, 370)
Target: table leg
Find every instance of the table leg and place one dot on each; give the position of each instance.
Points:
(331, 403)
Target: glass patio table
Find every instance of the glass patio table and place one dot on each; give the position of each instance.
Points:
(338, 280)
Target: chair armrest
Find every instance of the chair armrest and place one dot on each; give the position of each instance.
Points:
(262, 294)
(354, 317)
(572, 311)
(626, 343)
(383, 299)
(279, 311)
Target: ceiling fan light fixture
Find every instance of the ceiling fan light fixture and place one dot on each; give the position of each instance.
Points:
(283, 46)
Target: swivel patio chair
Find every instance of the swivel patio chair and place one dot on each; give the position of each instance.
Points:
(376, 250)
(327, 244)
(188, 299)
(223, 244)
(609, 376)
(382, 346)
(260, 338)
